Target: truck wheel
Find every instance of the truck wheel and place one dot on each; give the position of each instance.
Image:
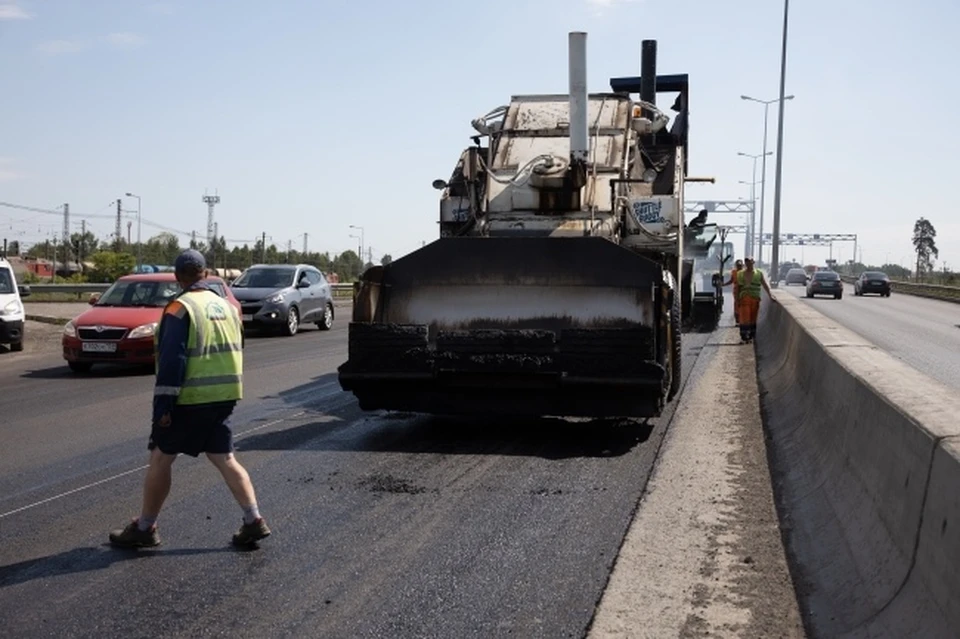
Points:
(676, 370)
(16, 346)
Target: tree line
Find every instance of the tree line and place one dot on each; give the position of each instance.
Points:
(111, 260)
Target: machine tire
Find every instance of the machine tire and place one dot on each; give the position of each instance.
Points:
(676, 370)
(80, 367)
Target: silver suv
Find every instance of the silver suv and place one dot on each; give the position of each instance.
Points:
(284, 296)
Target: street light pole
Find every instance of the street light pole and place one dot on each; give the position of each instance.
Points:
(763, 170)
(139, 243)
(775, 258)
(753, 198)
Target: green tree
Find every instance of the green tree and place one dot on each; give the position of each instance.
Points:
(13, 248)
(386, 259)
(108, 266)
(84, 245)
(924, 236)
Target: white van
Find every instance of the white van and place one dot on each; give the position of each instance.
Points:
(11, 308)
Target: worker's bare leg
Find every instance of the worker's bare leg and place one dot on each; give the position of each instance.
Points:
(236, 476)
(156, 485)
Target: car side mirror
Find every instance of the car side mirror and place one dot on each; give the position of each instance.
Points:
(94, 298)
(304, 283)
(24, 290)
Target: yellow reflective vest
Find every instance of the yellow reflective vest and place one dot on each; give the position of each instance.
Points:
(753, 288)
(214, 350)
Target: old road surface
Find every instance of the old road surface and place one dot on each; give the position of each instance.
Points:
(924, 333)
(390, 525)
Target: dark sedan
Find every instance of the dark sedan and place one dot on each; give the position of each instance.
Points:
(872, 282)
(825, 283)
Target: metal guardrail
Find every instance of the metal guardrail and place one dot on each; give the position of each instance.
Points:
(932, 291)
(340, 291)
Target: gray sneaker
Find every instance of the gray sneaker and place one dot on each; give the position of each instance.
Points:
(132, 537)
(251, 533)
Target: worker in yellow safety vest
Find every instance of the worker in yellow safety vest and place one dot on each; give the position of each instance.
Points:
(749, 283)
(199, 380)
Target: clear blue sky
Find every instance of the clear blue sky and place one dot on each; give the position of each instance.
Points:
(309, 116)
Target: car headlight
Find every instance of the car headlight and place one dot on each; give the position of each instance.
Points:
(276, 299)
(70, 329)
(11, 308)
(146, 330)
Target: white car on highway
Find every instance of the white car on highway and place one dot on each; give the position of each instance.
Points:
(12, 313)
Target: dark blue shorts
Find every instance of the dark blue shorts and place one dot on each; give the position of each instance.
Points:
(195, 429)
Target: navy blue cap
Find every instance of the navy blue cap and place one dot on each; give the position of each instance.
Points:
(189, 260)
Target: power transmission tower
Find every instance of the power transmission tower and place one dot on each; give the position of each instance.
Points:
(119, 230)
(211, 201)
(83, 241)
(66, 232)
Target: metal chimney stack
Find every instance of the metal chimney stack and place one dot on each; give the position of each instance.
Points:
(579, 141)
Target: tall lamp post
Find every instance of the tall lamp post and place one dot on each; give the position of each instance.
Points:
(139, 243)
(763, 170)
(362, 243)
(775, 257)
(753, 196)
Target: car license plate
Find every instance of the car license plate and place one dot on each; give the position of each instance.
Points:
(247, 317)
(99, 347)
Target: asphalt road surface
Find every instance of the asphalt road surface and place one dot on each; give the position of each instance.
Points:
(922, 332)
(385, 525)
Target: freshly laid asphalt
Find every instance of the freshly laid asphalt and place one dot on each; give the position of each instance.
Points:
(385, 525)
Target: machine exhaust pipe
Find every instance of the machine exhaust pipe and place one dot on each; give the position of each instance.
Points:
(579, 142)
(648, 74)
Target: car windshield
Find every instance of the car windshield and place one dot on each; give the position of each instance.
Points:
(825, 275)
(875, 275)
(6, 281)
(139, 293)
(798, 271)
(266, 278)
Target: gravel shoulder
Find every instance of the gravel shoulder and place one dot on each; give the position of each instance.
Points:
(41, 338)
(703, 556)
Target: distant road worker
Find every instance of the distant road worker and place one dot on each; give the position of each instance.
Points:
(199, 381)
(737, 267)
(749, 282)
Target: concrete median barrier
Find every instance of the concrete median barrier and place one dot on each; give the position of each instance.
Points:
(865, 455)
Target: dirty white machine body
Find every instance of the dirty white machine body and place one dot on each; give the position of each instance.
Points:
(554, 287)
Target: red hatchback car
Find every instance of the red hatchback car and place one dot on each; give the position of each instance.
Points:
(120, 326)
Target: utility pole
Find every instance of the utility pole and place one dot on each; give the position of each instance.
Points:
(193, 239)
(289, 250)
(83, 241)
(54, 273)
(263, 248)
(305, 243)
(119, 230)
(360, 228)
(129, 226)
